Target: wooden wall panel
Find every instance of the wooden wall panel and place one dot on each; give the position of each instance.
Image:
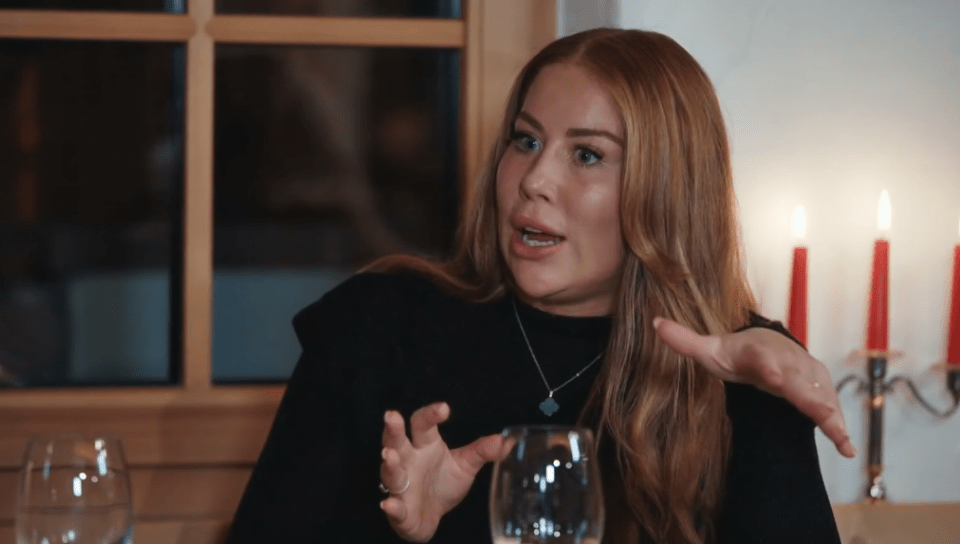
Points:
(164, 532)
(157, 427)
(163, 494)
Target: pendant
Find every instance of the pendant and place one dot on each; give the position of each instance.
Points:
(549, 406)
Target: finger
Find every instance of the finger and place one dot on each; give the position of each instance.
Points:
(835, 429)
(818, 400)
(481, 451)
(395, 509)
(685, 341)
(393, 476)
(831, 422)
(394, 431)
(423, 423)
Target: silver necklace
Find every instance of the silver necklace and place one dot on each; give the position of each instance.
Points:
(549, 406)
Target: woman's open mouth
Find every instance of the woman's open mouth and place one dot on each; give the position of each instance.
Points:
(536, 238)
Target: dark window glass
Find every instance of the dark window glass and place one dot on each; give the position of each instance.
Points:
(448, 9)
(326, 158)
(91, 162)
(168, 6)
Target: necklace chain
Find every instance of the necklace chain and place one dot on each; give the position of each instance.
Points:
(551, 390)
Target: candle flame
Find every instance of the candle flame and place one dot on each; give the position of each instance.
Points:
(883, 212)
(799, 223)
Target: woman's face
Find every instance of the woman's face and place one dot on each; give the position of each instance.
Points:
(558, 195)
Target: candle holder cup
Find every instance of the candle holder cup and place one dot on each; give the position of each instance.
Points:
(876, 386)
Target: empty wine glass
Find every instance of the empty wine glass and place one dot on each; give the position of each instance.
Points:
(74, 489)
(546, 487)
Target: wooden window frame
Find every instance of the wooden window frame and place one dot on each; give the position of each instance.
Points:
(177, 435)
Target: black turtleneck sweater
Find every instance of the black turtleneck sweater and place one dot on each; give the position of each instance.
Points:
(380, 342)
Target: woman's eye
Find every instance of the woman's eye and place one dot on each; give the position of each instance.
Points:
(586, 156)
(525, 142)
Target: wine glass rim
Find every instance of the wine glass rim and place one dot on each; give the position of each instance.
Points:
(63, 437)
(547, 428)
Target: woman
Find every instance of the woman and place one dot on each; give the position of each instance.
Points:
(607, 203)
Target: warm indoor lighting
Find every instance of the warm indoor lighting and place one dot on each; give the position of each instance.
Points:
(883, 212)
(799, 223)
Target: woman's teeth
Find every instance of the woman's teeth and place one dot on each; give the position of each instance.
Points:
(535, 238)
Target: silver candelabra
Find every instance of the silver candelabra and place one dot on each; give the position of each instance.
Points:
(876, 386)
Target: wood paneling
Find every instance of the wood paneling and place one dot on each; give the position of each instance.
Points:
(164, 532)
(337, 31)
(92, 25)
(164, 493)
(198, 205)
(163, 427)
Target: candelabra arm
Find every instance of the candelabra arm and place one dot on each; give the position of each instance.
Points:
(942, 414)
(861, 383)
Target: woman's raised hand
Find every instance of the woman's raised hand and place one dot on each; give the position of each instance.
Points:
(426, 479)
(771, 362)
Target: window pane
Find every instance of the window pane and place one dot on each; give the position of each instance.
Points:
(325, 159)
(168, 6)
(91, 162)
(447, 9)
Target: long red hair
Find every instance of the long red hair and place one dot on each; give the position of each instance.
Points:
(662, 414)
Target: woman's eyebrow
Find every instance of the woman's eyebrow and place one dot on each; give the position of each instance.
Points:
(579, 132)
(573, 132)
(530, 119)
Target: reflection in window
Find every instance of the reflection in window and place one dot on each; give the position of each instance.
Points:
(326, 158)
(91, 151)
(449, 9)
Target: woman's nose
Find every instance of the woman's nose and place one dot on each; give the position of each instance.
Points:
(539, 181)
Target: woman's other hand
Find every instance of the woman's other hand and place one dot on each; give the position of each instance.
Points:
(771, 362)
(426, 479)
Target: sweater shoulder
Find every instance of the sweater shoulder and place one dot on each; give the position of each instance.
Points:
(367, 302)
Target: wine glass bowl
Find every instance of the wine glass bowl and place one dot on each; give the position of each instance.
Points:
(74, 489)
(546, 487)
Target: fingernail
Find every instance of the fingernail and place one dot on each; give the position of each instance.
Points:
(381, 504)
(383, 454)
(386, 415)
(656, 322)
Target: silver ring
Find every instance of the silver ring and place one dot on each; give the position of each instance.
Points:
(384, 489)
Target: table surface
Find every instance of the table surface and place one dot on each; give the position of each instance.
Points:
(891, 523)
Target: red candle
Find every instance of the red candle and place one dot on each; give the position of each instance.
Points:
(877, 331)
(797, 322)
(879, 290)
(797, 317)
(953, 345)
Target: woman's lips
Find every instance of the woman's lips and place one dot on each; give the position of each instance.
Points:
(522, 222)
(524, 250)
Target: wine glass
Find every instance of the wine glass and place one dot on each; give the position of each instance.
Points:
(546, 487)
(74, 489)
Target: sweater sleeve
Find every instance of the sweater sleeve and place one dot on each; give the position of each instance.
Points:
(775, 490)
(317, 475)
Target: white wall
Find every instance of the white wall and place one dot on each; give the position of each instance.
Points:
(827, 103)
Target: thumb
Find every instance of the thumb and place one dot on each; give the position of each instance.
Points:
(685, 341)
(481, 451)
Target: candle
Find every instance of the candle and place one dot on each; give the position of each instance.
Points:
(797, 318)
(953, 345)
(879, 291)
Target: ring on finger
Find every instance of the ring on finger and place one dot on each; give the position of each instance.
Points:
(388, 491)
